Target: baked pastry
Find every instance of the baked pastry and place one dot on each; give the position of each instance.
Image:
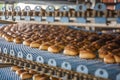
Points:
(4, 35)
(27, 42)
(32, 72)
(18, 40)
(54, 49)
(44, 78)
(27, 69)
(117, 58)
(71, 50)
(9, 38)
(20, 71)
(45, 46)
(109, 58)
(35, 44)
(54, 78)
(37, 76)
(15, 68)
(1, 33)
(102, 53)
(26, 75)
(87, 54)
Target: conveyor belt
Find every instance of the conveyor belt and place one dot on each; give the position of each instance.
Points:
(93, 67)
(7, 74)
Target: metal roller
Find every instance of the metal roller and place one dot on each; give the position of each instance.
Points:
(50, 14)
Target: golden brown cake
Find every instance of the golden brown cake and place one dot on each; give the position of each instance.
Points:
(35, 44)
(27, 42)
(87, 54)
(26, 75)
(37, 76)
(44, 46)
(109, 59)
(20, 71)
(71, 50)
(18, 40)
(15, 68)
(54, 49)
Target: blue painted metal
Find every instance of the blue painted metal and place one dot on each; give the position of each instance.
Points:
(38, 18)
(63, 61)
(7, 74)
(81, 20)
(50, 9)
(100, 7)
(27, 9)
(118, 19)
(52, 62)
(81, 8)
(17, 9)
(64, 19)
(117, 7)
(100, 20)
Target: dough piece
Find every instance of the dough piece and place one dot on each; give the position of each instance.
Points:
(27, 42)
(87, 54)
(54, 49)
(71, 50)
(15, 68)
(109, 59)
(26, 75)
(117, 58)
(35, 44)
(18, 40)
(45, 46)
(37, 76)
(20, 71)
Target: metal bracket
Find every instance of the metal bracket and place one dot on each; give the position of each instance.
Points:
(3, 17)
(10, 17)
(27, 9)
(118, 77)
(117, 7)
(101, 73)
(66, 65)
(50, 18)
(64, 9)
(40, 59)
(20, 55)
(52, 62)
(17, 9)
(5, 51)
(12, 53)
(80, 8)
(82, 69)
(100, 7)
(29, 57)
(37, 18)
